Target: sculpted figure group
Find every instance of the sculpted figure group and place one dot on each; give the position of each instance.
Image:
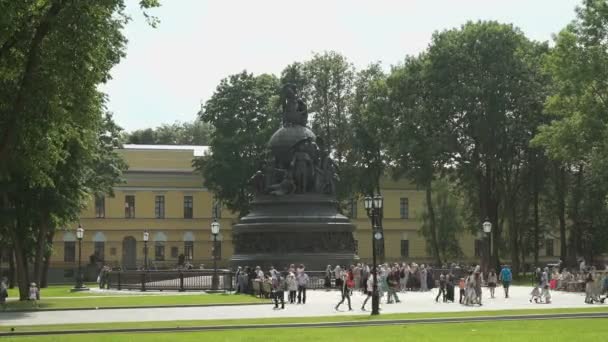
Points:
(310, 170)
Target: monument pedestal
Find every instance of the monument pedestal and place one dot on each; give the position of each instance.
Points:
(294, 229)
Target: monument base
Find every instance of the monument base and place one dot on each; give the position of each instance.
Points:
(294, 229)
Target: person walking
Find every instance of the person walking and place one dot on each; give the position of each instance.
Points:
(544, 285)
(478, 281)
(404, 274)
(492, 283)
(357, 276)
(302, 279)
(345, 291)
(292, 287)
(338, 276)
(278, 288)
(369, 287)
(506, 277)
(393, 286)
(423, 282)
(3, 292)
(442, 288)
(328, 274)
(449, 281)
(365, 274)
(461, 286)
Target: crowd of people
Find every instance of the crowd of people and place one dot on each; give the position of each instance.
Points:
(392, 279)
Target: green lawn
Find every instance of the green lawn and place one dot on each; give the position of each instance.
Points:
(105, 301)
(59, 291)
(357, 318)
(521, 331)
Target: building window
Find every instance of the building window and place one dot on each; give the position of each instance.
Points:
(216, 211)
(159, 207)
(405, 248)
(404, 208)
(189, 250)
(352, 209)
(100, 206)
(549, 247)
(478, 247)
(130, 206)
(113, 251)
(217, 250)
(69, 251)
(99, 250)
(159, 251)
(188, 207)
(174, 252)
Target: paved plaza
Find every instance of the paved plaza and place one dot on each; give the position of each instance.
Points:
(319, 303)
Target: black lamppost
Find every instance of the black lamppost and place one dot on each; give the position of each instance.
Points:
(487, 228)
(79, 283)
(146, 238)
(215, 229)
(373, 207)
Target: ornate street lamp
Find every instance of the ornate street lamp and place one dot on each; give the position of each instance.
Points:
(373, 205)
(146, 238)
(487, 228)
(79, 281)
(215, 230)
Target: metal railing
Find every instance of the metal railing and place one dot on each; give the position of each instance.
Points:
(201, 280)
(177, 280)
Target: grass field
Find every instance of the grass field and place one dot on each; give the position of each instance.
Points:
(60, 297)
(569, 330)
(358, 318)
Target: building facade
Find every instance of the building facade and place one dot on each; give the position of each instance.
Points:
(164, 196)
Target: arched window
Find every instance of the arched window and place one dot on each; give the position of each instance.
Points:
(160, 239)
(189, 246)
(69, 247)
(99, 240)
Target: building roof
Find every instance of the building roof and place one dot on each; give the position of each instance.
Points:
(198, 151)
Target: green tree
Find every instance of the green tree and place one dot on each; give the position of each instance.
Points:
(486, 76)
(576, 137)
(448, 222)
(187, 133)
(53, 56)
(330, 78)
(371, 122)
(418, 143)
(244, 112)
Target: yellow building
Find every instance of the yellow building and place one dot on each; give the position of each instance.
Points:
(164, 195)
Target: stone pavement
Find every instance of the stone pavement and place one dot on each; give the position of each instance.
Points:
(319, 303)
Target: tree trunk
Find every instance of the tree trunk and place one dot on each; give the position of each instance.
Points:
(433, 225)
(41, 247)
(514, 238)
(560, 186)
(575, 236)
(11, 268)
(47, 261)
(536, 222)
(21, 265)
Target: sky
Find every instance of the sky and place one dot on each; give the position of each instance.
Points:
(170, 70)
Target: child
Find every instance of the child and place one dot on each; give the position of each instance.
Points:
(3, 293)
(535, 295)
(278, 288)
(461, 287)
(34, 294)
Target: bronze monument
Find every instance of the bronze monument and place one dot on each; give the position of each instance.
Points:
(294, 216)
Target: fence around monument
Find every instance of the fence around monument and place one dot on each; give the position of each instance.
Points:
(177, 280)
(202, 280)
